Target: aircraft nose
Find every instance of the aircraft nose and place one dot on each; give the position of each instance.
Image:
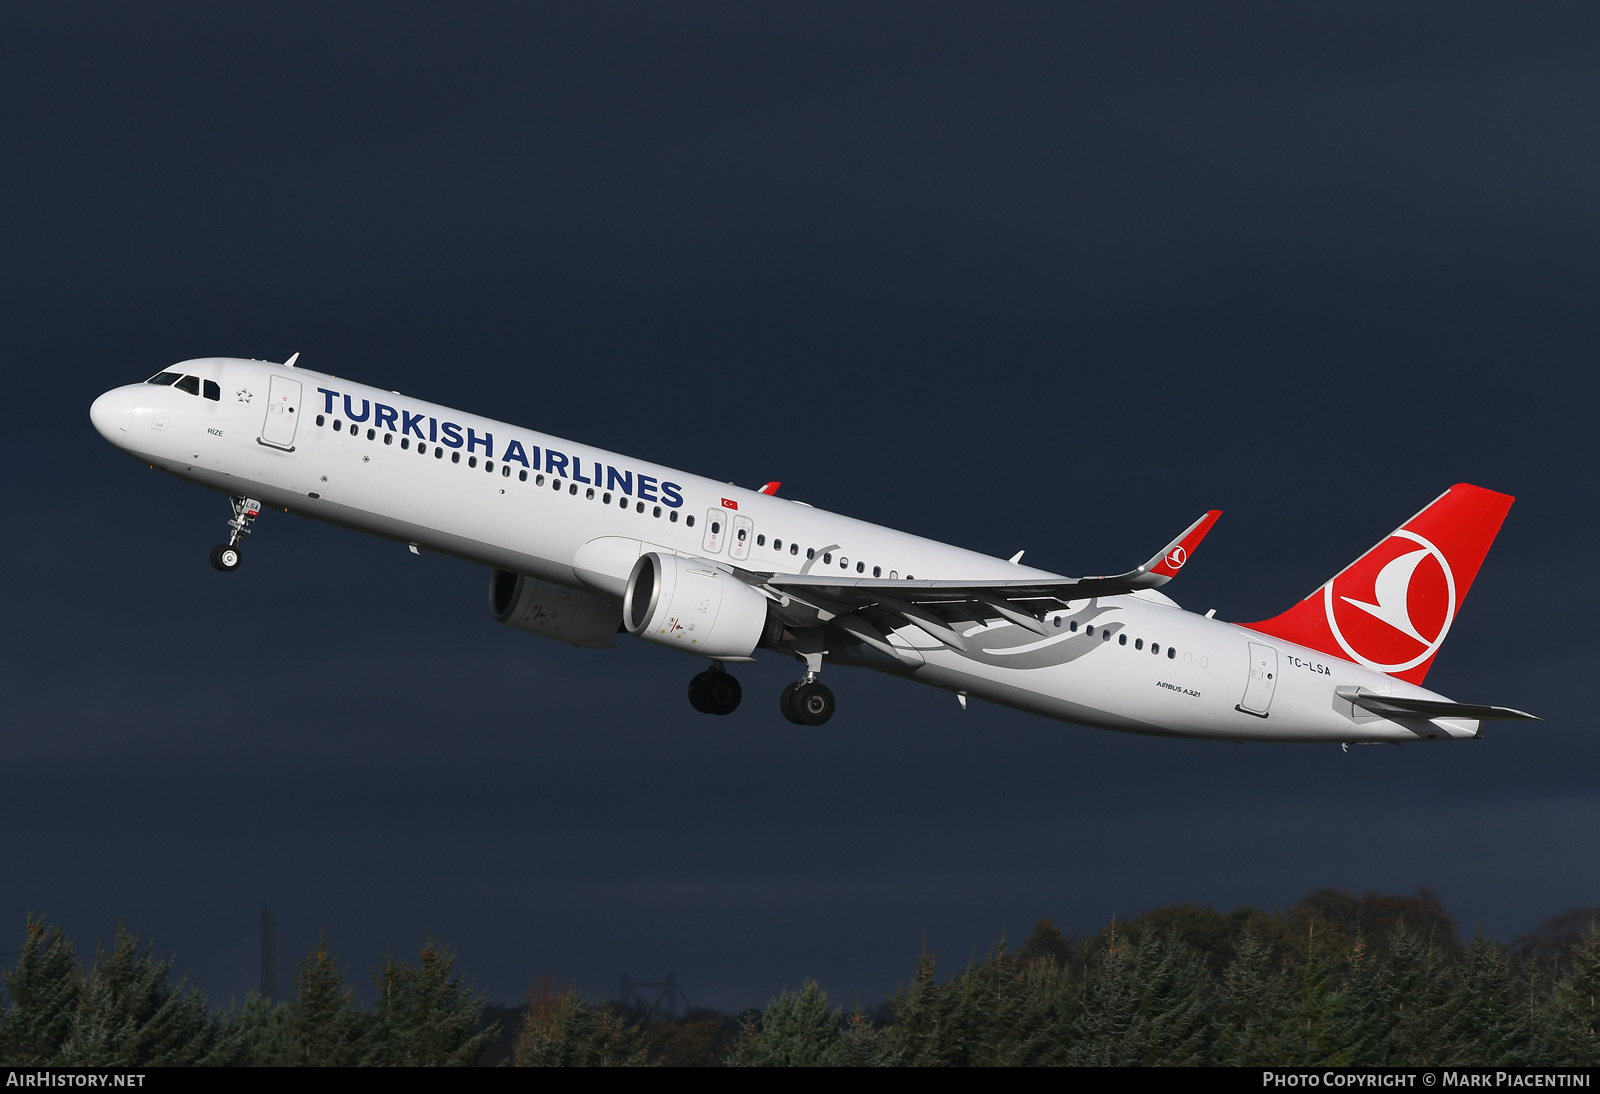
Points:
(111, 414)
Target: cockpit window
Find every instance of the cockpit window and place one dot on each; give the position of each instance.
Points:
(213, 391)
(162, 379)
(191, 384)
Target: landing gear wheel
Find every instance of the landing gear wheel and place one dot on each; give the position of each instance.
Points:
(715, 692)
(812, 703)
(786, 703)
(226, 558)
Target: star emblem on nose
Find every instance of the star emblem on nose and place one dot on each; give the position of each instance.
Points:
(245, 396)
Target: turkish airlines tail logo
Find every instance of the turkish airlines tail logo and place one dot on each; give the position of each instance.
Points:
(1392, 608)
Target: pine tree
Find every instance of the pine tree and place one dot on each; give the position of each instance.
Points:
(130, 1015)
(1577, 1004)
(922, 1034)
(1253, 1004)
(260, 1030)
(44, 990)
(1420, 976)
(1487, 1025)
(798, 1029)
(323, 1026)
(564, 1030)
(1106, 1031)
(426, 1017)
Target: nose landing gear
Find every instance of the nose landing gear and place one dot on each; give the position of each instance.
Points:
(226, 557)
(715, 691)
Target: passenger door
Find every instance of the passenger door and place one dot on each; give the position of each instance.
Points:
(1263, 680)
(283, 413)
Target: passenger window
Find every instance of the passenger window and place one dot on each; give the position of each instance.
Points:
(689, 520)
(522, 476)
(656, 512)
(472, 461)
(1073, 626)
(213, 391)
(673, 517)
(1089, 630)
(1105, 635)
(605, 499)
(1155, 647)
(338, 426)
(877, 571)
(623, 502)
(438, 453)
(488, 465)
(1138, 643)
(1172, 652)
(794, 548)
(191, 384)
(538, 480)
(638, 508)
(893, 574)
(455, 457)
(372, 434)
(354, 429)
(1058, 621)
(777, 545)
(811, 552)
(1122, 639)
(164, 379)
(827, 558)
(589, 494)
(388, 438)
(761, 541)
(505, 473)
(321, 420)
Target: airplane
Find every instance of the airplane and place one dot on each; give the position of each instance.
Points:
(583, 544)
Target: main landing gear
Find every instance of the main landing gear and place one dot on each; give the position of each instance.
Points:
(807, 702)
(715, 692)
(226, 556)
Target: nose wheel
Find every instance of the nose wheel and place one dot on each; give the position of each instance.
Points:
(807, 702)
(715, 692)
(226, 558)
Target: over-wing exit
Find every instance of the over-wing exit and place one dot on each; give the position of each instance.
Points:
(583, 544)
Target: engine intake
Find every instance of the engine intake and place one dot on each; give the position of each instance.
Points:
(691, 605)
(551, 610)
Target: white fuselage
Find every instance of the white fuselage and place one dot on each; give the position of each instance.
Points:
(524, 501)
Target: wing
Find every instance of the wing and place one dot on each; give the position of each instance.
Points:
(1160, 569)
(1019, 600)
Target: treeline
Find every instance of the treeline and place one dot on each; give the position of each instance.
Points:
(123, 1010)
(1334, 980)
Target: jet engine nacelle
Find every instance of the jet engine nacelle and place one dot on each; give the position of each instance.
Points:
(691, 605)
(555, 611)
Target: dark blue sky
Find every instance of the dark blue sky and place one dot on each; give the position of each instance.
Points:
(1007, 276)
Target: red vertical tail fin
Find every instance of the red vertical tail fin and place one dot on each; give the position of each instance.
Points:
(1391, 608)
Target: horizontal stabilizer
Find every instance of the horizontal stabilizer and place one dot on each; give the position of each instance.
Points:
(1387, 706)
